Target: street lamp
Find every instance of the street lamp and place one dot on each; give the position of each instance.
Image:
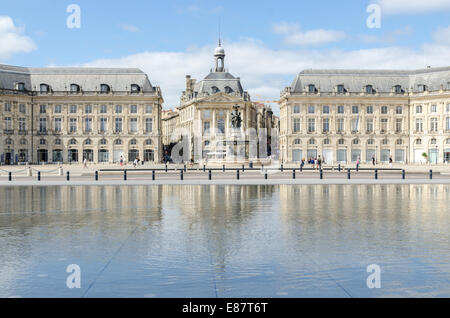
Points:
(437, 154)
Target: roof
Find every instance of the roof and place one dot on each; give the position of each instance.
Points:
(60, 78)
(219, 80)
(382, 80)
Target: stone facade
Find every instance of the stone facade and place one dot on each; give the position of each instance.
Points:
(343, 115)
(70, 114)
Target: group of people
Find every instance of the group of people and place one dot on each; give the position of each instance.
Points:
(136, 161)
(315, 162)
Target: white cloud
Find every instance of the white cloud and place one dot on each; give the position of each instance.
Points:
(413, 6)
(295, 36)
(12, 39)
(387, 38)
(265, 71)
(130, 28)
(442, 35)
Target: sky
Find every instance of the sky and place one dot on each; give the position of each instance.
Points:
(267, 42)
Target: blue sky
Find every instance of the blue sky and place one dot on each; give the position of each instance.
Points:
(267, 42)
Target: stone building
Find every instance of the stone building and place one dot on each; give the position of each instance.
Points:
(70, 114)
(343, 115)
(206, 112)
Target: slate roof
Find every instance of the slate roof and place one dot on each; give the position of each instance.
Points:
(382, 80)
(60, 78)
(220, 80)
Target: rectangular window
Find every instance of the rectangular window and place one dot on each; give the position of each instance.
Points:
(326, 109)
(133, 125)
(297, 109)
(103, 125)
(57, 109)
(206, 127)
(7, 107)
(447, 124)
(148, 125)
(221, 126)
(384, 125)
(340, 109)
(296, 127)
(57, 125)
(88, 109)
(340, 125)
(447, 108)
(399, 110)
(398, 125)
(42, 109)
(73, 109)
(311, 125)
(103, 109)
(369, 109)
(118, 126)
(384, 109)
(42, 125)
(326, 125)
(434, 124)
(72, 125)
(311, 109)
(433, 108)
(419, 109)
(355, 109)
(118, 109)
(341, 155)
(148, 109)
(8, 123)
(419, 125)
(369, 125)
(23, 108)
(22, 124)
(355, 125)
(133, 109)
(88, 124)
(340, 89)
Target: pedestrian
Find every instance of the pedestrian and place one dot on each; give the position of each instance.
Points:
(85, 163)
(358, 162)
(373, 160)
(319, 163)
(121, 161)
(390, 162)
(302, 164)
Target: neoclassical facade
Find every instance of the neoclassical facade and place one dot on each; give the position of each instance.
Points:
(205, 116)
(343, 115)
(61, 115)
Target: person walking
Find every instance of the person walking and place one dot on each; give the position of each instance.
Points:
(390, 162)
(319, 163)
(302, 164)
(121, 161)
(135, 162)
(373, 160)
(358, 162)
(85, 163)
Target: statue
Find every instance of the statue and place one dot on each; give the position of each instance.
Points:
(236, 120)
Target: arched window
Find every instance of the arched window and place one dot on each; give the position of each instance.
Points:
(133, 142)
(8, 141)
(341, 141)
(135, 88)
(42, 142)
(326, 141)
(399, 142)
(228, 90)
(118, 142)
(20, 86)
(369, 89)
(398, 89)
(447, 141)
(148, 142)
(418, 141)
(88, 142)
(385, 141)
(23, 141)
(312, 141)
(312, 89)
(44, 88)
(215, 90)
(105, 89)
(103, 142)
(370, 142)
(356, 141)
(57, 141)
(74, 88)
(297, 142)
(433, 141)
(72, 142)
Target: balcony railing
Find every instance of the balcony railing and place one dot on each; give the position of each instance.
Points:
(8, 132)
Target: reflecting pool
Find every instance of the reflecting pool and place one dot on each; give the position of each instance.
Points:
(225, 241)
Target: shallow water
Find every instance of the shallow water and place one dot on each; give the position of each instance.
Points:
(225, 241)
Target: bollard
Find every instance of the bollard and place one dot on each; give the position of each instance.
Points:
(265, 175)
(348, 174)
(251, 164)
(403, 174)
(357, 168)
(153, 175)
(243, 168)
(431, 174)
(237, 174)
(210, 174)
(282, 168)
(68, 176)
(10, 176)
(185, 168)
(321, 174)
(339, 167)
(223, 168)
(293, 174)
(125, 175)
(166, 167)
(376, 174)
(301, 168)
(39, 176)
(96, 175)
(204, 168)
(181, 175)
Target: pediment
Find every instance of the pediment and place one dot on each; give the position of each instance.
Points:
(221, 98)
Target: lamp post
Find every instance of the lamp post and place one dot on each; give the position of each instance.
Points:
(437, 154)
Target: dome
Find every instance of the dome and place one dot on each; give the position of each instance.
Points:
(219, 51)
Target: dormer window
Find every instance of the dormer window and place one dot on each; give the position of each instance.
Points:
(311, 89)
(135, 89)
(105, 89)
(20, 86)
(340, 89)
(421, 88)
(398, 89)
(228, 90)
(215, 90)
(74, 88)
(44, 88)
(369, 89)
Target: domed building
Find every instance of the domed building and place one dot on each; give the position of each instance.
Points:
(215, 115)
